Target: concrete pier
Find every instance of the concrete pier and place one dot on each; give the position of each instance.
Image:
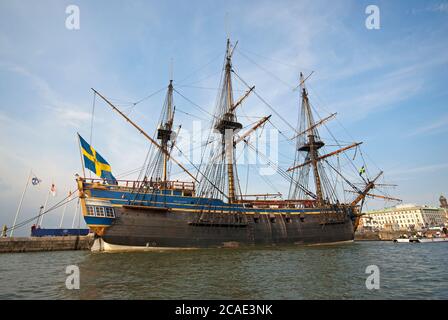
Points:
(382, 235)
(34, 244)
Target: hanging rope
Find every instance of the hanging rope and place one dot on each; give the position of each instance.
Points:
(191, 115)
(364, 162)
(354, 156)
(147, 97)
(92, 118)
(220, 54)
(265, 102)
(194, 104)
(267, 71)
(54, 207)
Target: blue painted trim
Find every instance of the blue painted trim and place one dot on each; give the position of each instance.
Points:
(183, 202)
(98, 220)
(58, 232)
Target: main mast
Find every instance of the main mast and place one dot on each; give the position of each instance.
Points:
(227, 123)
(313, 143)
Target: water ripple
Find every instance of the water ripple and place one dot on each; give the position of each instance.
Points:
(407, 271)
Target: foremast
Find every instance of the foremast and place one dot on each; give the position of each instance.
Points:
(165, 133)
(146, 135)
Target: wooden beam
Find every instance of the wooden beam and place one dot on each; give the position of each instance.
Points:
(240, 100)
(326, 155)
(366, 190)
(144, 134)
(315, 125)
(302, 81)
(377, 196)
(251, 130)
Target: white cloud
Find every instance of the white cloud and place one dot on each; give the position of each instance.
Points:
(419, 170)
(441, 7)
(70, 117)
(438, 125)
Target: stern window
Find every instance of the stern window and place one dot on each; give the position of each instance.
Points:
(110, 212)
(90, 211)
(100, 212)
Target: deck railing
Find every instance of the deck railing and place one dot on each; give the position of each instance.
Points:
(148, 184)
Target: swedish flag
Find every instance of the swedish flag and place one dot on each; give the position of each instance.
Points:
(95, 162)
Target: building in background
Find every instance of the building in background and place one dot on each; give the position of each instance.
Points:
(443, 202)
(405, 217)
(444, 205)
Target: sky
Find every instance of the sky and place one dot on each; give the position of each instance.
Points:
(388, 85)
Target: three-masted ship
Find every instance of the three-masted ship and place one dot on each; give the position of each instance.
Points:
(210, 210)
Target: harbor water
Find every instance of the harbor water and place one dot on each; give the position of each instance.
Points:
(407, 271)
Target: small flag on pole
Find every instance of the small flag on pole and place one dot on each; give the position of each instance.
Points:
(53, 190)
(35, 181)
(362, 170)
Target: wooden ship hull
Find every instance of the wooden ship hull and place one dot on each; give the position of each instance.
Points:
(151, 228)
(172, 219)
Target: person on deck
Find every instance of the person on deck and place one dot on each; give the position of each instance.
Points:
(5, 228)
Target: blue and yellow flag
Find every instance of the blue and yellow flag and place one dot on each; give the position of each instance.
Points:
(362, 170)
(95, 162)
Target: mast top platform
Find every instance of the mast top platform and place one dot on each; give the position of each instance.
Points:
(311, 146)
(228, 123)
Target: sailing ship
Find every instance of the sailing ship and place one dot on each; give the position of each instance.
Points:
(209, 210)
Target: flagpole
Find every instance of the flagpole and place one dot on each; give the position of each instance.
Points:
(43, 210)
(76, 213)
(38, 217)
(65, 208)
(20, 203)
(80, 155)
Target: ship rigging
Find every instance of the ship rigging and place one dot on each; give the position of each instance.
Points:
(220, 176)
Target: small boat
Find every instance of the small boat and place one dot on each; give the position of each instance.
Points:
(401, 240)
(430, 240)
(404, 239)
